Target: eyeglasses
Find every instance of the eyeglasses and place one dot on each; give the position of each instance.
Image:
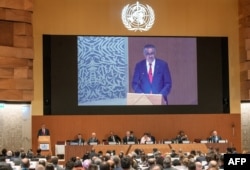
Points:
(150, 53)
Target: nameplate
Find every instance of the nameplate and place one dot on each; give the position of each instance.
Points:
(222, 141)
(130, 143)
(150, 142)
(93, 143)
(186, 141)
(112, 143)
(204, 141)
(167, 142)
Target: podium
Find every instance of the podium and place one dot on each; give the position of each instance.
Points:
(44, 144)
(144, 99)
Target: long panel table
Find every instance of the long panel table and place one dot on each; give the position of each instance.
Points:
(79, 151)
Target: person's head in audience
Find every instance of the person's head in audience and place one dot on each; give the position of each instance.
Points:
(213, 164)
(25, 164)
(93, 167)
(185, 161)
(198, 165)
(156, 167)
(69, 165)
(78, 164)
(17, 154)
(221, 162)
(176, 162)
(73, 158)
(167, 163)
(54, 160)
(38, 152)
(40, 167)
(159, 160)
(23, 155)
(191, 166)
(151, 162)
(126, 162)
(42, 162)
(49, 166)
(9, 154)
(4, 151)
(121, 154)
(48, 158)
(117, 161)
(97, 161)
(86, 163)
(5, 166)
(104, 166)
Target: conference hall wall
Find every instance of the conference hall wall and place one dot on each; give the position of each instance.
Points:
(172, 19)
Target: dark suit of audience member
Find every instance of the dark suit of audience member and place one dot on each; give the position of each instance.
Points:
(214, 138)
(114, 138)
(16, 159)
(43, 131)
(3, 164)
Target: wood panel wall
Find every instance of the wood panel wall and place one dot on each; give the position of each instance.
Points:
(16, 50)
(161, 126)
(244, 47)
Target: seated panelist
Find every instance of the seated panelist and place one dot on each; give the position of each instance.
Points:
(93, 139)
(181, 137)
(79, 139)
(214, 138)
(114, 138)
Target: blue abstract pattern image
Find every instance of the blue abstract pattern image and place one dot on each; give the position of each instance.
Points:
(102, 70)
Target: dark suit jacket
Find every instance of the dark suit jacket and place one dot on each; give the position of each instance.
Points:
(161, 83)
(214, 140)
(130, 139)
(93, 140)
(40, 132)
(117, 139)
(78, 141)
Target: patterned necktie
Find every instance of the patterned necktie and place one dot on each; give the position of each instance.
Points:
(150, 73)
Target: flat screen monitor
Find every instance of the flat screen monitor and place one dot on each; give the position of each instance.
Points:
(97, 74)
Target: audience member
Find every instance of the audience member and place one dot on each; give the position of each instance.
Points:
(126, 163)
(49, 166)
(198, 165)
(104, 166)
(3, 164)
(156, 167)
(40, 167)
(54, 161)
(117, 162)
(16, 158)
(25, 164)
(167, 164)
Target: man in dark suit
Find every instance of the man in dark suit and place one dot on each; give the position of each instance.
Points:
(128, 138)
(43, 131)
(214, 138)
(114, 138)
(152, 75)
(79, 139)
